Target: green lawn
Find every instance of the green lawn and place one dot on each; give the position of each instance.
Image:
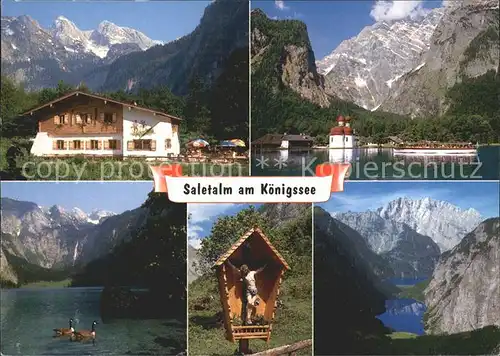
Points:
(293, 321)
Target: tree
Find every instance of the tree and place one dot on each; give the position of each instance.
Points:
(225, 232)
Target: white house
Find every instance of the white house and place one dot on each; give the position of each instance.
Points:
(88, 124)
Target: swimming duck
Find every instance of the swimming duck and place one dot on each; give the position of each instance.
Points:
(84, 334)
(65, 331)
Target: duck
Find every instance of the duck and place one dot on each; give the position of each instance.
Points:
(65, 331)
(84, 334)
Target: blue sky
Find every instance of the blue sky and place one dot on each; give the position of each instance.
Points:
(203, 217)
(111, 196)
(363, 196)
(159, 20)
(331, 22)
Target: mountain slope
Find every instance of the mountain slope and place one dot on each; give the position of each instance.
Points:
(464, 45)
(363, 68)
(445, 223)
(200, 54)
(41, 57)
(282, 52)
(55, 238)
(410, 254)
(464, 292)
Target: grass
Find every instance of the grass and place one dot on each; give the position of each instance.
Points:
(48, 284)
(293, 320)
(414, 292)
(485, 341)
(402, 335)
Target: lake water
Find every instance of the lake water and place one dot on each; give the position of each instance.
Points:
(375, 163)
(404, 315)
(29, 315)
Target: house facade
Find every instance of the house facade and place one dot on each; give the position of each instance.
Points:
(87, 124)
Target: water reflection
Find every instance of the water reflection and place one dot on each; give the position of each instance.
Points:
(380, 163)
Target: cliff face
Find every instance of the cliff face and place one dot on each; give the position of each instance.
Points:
(282, 52)
(464, 45)
(464, 292)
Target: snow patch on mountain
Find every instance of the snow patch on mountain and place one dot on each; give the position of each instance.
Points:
(444, 222)
(362, 69)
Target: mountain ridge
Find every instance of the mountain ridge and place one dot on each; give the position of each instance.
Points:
(58, 238)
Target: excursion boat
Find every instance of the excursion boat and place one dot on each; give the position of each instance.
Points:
(452, 149)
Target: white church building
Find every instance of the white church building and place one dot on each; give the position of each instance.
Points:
(342, 135)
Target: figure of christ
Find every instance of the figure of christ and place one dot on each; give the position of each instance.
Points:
(250, 291)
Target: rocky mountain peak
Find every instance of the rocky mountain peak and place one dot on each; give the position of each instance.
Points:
(463, 45)
(362, 69)
(63, 47)
(444, 222)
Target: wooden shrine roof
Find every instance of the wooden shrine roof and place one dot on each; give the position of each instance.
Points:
(242, 239)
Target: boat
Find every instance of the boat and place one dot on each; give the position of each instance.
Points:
(445, 149)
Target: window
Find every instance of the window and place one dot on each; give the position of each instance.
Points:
(141, 145)
(108, 118)
(78, 118)
(144, 145)
(175, 128)
(60, 145)
(77, 145)
(94, 144)
(168, 144)
(113, 144)
(62, 119)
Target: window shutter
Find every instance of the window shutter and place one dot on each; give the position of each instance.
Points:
(153, 145)
(86, 145)
(54, 144)
(56, 119)
(101, 116)
(106, 144)
(65, 145)
(99, 145)
(130, 145)
(114, 117)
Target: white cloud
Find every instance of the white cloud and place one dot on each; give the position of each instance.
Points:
(199, 213)
(280, 4)
(205, 212)
(384, 10)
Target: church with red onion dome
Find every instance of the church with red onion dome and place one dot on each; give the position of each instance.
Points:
(342, 135)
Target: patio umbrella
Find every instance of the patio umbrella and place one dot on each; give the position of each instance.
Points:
(227, 143)
(238, 142)
(199, 143)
